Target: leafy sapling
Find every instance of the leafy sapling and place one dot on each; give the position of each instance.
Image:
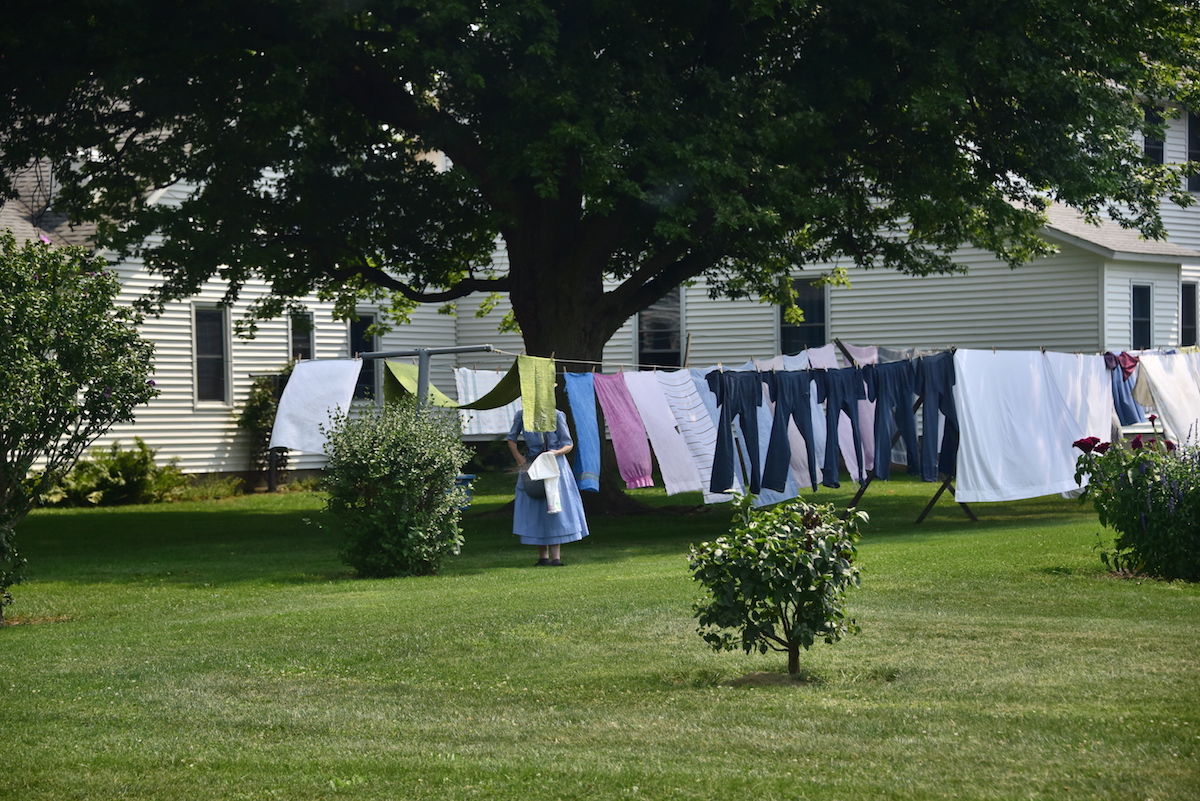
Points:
(777, 580)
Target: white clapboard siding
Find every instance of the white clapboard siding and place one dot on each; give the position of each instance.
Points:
(1050, 302)
(1183, 225)
(1119, 280)
(728, 332)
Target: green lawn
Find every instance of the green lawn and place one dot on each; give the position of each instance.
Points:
(221, 651)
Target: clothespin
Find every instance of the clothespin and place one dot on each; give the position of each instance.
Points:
(1043, 349)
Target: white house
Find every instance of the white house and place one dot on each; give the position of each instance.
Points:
(1105, 289)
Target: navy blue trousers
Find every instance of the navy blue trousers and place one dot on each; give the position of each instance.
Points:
(739, 394)
(892, 387)
(840, 391)
(791, 392)
(935, 384)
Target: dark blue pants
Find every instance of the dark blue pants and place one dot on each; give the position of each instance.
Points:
(840, 391)
(935, 384)
(791, 392)
(739, 394)
(892, 387)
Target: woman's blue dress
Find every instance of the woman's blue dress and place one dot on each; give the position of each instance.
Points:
(531, 522)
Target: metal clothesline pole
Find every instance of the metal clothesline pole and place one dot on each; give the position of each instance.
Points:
(423, 356)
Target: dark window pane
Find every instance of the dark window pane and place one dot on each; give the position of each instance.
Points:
(810, 333)
(1193, 147)
(302, 336)
(1143, 330)
(1154, 147)
(1187, 314)
(361, 343)
(210, 355)
(659, 333)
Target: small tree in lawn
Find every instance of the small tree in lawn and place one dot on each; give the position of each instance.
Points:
(777, 580)
(74, 365)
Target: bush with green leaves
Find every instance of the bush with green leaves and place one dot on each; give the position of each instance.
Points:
(391, 482)
(1148, 491)
(113, 476)
(777, 581)
(74, 364)
(257, 419)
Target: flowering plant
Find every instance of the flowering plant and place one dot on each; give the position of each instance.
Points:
(1148, 491)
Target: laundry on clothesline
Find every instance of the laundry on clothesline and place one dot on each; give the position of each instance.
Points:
(315, 391)
(531, 378)
(473, 384)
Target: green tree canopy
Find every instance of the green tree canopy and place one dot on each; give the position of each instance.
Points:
(619, 148)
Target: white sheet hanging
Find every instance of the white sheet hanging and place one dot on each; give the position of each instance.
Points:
(474, 384)
(1176, 394)
(314, 391)
(1016, 429)
(1086, 387)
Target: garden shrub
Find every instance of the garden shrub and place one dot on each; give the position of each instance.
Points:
(391, 483)
(1148, 491)
(778, 579)
(113, 476)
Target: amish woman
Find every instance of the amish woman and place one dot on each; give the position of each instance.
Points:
(532, 522)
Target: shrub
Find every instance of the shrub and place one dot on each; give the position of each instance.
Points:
(1148, 491)
(257, 418)
(116, 477)
(778, 579)
(74, 365)
(391, 483)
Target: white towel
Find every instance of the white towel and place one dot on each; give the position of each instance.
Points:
(315, 390)
(545, 468)
(675, 461)
(1016, 429)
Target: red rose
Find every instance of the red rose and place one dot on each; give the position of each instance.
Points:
(1102, 448)
(1136, 443)
(1087, 444)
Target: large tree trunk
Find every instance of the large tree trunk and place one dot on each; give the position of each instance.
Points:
(560, 314)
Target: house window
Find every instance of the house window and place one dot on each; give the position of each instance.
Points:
(811, 333)
(1187, 314)
(1143, 328)
(660, 332)
(361, 342)
(212, 354)
(301, 335)
(1153, 146)
(1193, 148)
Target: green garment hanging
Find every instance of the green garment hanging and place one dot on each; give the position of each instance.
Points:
(531, 379)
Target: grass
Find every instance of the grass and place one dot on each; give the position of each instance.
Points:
(220, 651)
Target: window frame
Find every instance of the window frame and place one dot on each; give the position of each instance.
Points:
(224, 371)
